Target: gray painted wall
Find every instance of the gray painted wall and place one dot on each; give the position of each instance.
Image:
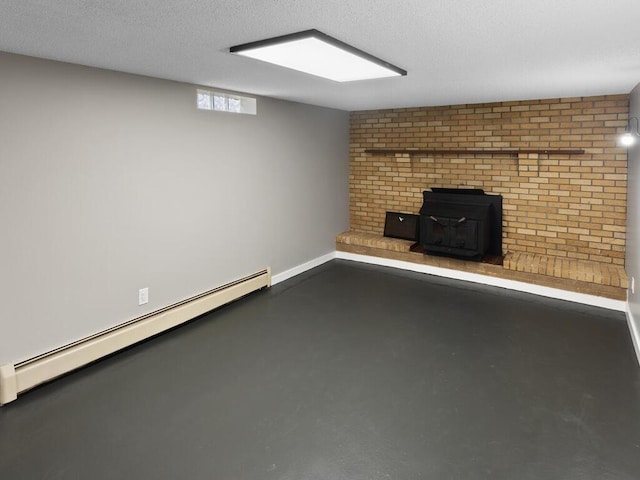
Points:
(632, 264)
(113, 182)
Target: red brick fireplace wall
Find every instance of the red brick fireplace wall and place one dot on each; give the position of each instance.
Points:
(571, 206)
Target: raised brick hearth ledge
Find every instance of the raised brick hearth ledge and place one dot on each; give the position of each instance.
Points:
(593, 278)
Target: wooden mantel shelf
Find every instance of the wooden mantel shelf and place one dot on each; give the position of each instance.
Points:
(458, 151)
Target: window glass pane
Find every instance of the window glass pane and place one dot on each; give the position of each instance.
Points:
(204, 100)
(220, 103)
(235, 105)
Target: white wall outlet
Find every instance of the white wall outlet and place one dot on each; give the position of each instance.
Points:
(633, 285)
(143, 296)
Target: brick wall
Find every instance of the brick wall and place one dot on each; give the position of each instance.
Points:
(571, 206)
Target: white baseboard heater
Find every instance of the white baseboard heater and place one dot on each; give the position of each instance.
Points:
(18, 378)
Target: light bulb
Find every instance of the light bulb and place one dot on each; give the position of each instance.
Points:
(627, 139)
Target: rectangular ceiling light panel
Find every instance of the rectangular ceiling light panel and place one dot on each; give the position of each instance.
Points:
(318, 54)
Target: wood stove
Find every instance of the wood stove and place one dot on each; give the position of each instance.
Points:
(465, 223)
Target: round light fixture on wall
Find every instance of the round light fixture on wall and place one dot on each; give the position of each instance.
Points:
(631, 133)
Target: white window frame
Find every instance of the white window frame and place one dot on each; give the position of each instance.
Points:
(225, 102)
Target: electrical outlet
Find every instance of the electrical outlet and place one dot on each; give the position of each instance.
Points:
(143, 296)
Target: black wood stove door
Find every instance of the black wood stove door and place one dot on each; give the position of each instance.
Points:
(451, 232)
(464, 234)
(436, 231)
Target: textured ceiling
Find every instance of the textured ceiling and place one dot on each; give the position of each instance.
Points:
(456, 51)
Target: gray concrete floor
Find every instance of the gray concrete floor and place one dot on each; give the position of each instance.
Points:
(348, 372)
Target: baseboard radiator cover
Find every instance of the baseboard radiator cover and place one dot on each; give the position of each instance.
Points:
(23, 376)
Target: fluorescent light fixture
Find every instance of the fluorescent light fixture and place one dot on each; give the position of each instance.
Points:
(318, 54)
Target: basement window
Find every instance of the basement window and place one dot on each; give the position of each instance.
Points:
(224, 102)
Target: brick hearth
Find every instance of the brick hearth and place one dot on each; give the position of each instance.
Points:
(593, 278)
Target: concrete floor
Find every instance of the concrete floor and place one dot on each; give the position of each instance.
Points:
(349, 372)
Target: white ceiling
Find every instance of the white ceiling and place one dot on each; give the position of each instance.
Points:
(456, 51)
